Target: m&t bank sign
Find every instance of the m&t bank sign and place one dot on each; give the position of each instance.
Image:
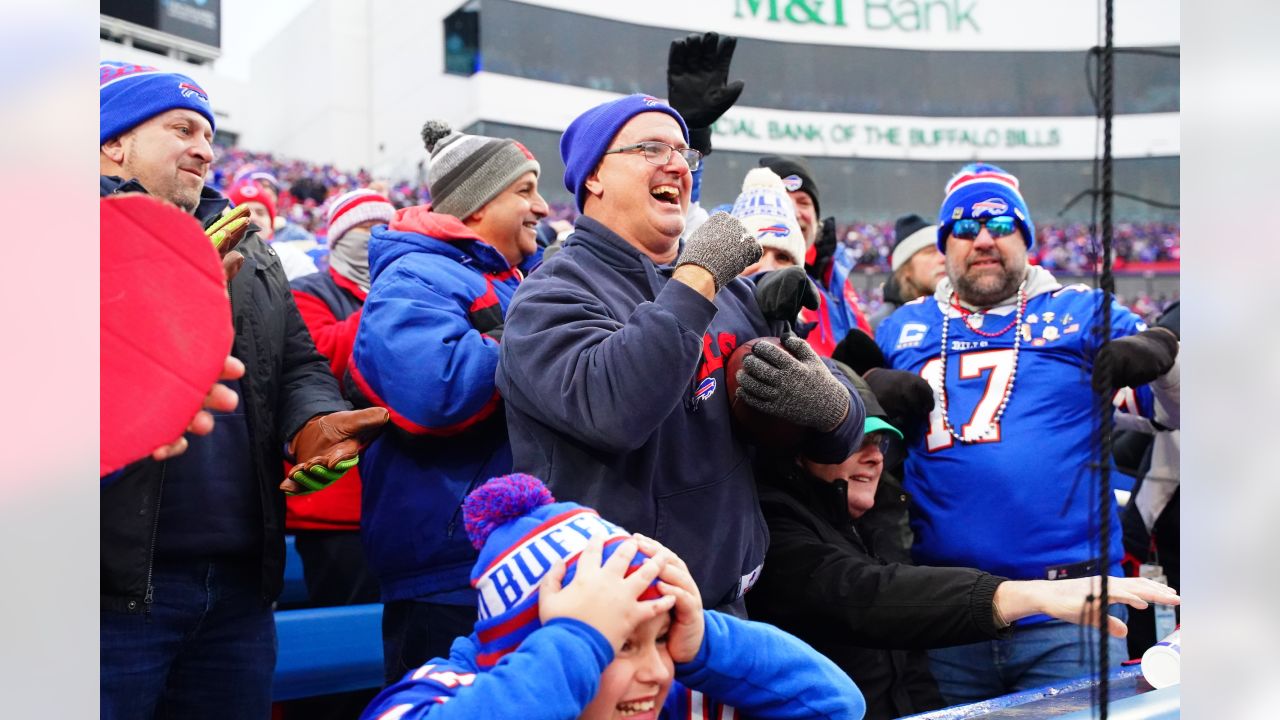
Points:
(945, 16)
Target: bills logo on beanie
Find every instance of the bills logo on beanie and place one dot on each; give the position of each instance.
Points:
(521, 531)
(129, 95)
(769, 214)
(591, 133)
(979, 191)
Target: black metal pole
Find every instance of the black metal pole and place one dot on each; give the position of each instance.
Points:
(1105, 410)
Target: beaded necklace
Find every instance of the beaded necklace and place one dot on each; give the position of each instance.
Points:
(942, 371)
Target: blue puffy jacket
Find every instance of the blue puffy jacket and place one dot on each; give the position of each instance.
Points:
(426, 350)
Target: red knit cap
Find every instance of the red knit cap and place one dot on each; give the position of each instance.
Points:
(248, 191)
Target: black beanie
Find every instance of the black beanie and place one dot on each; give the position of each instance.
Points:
(909, 238)
(795, 175)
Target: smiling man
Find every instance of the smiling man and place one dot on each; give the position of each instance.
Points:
(193, 546)
(613, 360)
(426, 349)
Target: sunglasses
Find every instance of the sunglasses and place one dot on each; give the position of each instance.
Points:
(997, 227)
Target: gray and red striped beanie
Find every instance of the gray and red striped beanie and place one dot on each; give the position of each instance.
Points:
(467, 171)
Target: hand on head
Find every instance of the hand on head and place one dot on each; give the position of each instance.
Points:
(684, 639)
(603, 595)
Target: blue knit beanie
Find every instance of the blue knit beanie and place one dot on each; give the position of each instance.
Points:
(589, 135)
(520, 531)
(129, 95)
(981, 191)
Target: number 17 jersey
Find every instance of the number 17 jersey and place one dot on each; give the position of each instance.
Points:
(1018, 500)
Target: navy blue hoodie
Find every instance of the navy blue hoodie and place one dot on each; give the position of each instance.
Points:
(614, 384)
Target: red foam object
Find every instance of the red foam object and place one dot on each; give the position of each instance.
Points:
(166, 325)
(759, 428)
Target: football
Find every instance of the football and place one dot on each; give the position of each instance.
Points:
(758, 428)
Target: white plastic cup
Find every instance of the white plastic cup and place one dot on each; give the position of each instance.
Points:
(1162, 662)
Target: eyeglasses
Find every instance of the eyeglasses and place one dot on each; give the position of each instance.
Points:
(659, 153)
(876, 438)
(997, 227)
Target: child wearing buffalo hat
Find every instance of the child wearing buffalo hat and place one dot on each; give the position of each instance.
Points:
(578, 618)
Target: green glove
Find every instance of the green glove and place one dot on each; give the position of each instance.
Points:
(319, 477)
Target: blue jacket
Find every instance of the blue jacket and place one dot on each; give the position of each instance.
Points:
(757, 669)
(426, 350)
(615, 388)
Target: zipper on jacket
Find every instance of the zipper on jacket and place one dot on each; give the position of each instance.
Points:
(155, 532)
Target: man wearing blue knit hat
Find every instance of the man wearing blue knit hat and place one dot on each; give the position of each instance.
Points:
(192, 546)
(999, 470)
(613, 359)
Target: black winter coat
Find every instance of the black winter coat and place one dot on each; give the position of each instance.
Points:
(286, 383)
(824, 583)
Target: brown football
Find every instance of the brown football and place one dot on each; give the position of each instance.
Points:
(757, 427)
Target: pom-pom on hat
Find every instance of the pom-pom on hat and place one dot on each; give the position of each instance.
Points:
(768, 213)
(248, 191)
(129, 95)
(911, 234)
(350, 209)
(467, 171)
(521, 531)
(981, 191)
(591, 133)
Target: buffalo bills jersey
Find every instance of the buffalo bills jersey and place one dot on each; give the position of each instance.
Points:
(1019, 500)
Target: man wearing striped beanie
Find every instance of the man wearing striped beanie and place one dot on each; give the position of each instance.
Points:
(443, 276)
(1018, 374)
(327, 524)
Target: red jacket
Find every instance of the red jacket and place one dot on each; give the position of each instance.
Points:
(331, 306)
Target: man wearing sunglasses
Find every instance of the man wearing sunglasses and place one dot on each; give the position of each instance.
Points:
(999, 469)
(612, 364)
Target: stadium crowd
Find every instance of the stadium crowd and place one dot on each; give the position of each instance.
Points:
(561, 455)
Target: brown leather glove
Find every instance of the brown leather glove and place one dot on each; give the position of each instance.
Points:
(329, 445)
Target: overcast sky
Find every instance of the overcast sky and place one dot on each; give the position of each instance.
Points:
(247, 25)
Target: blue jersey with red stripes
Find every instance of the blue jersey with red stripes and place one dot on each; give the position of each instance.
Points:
(427, 349)
(1018, 500)
(743, 670)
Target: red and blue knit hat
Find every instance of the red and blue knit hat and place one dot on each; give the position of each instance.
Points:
(520, 531)
(589, 135)
(129, 95)
(982, 191)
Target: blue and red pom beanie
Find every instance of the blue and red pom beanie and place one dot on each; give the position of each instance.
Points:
(520, 531)
(129, 95)
(589, 135)
(981, 191)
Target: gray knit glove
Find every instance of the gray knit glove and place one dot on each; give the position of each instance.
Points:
(798, 389)
(722, 246)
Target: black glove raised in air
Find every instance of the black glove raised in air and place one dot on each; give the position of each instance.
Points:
(698, 84)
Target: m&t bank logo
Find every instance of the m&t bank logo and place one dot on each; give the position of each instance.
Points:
(949, 16)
